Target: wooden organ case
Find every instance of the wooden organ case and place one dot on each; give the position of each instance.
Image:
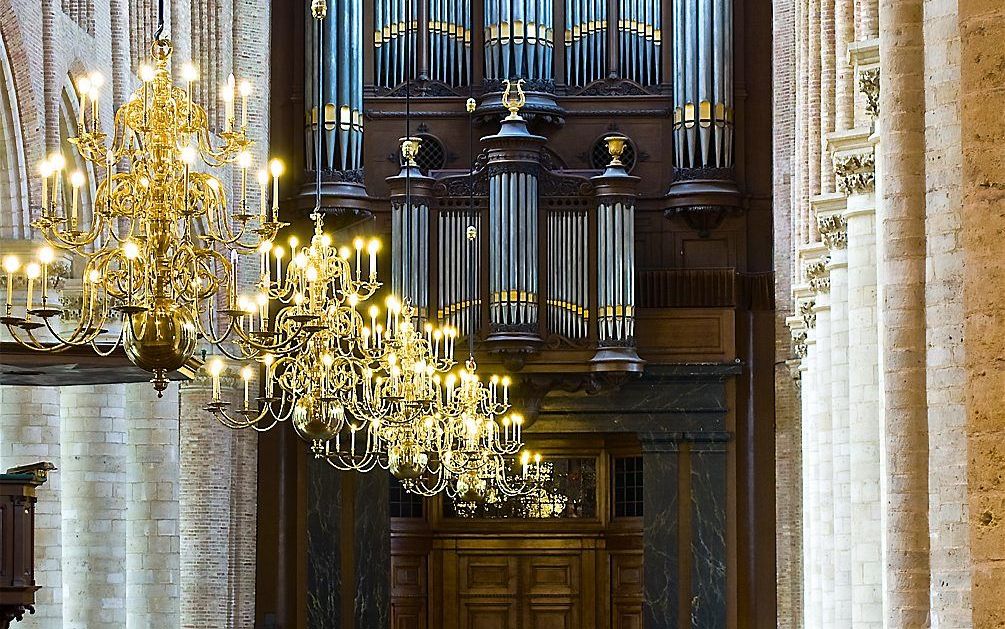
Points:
(632, 305)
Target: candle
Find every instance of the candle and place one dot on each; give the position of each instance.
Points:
(506, 383)
(215, 369)
(245, 92)
(244, 162)
(372, 249)
(96, 82)
(10, 264)
(263, 181)
(246, 376)
(233, 275)
(46, 256)
(147, 75)
(357, 243)
(57, 162)
(109, 172)
(228, 97)
(45, 170)
(83, 89)
(32, 271)
(189, 74)
(76, 181)
(276, 167)
(279, 252)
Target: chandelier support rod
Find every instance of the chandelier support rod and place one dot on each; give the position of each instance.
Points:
(160, 20)
(319, 101)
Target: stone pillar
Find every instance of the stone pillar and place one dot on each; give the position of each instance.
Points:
(947, 472)
(902, 275)
(812, 592)
(708, 534)
(92, 469)
(982, 56)
(152, 549)
(372, 552)
(660, 455)
(324, 550)
(816, 275)
(205, 531)
(855, 170)
(832, 228)
(29, 433)
(828, 75)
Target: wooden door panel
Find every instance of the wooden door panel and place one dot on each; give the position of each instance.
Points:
(408, 575)
(626, 575)
(552, 615)
(488, 575)
(408, 614)
(555, 576)
(627, 616)
(488, 614)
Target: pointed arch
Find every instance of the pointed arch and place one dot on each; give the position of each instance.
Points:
(14, 214)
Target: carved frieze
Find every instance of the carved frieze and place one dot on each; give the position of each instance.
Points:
(855, 172)
(868, 84)
(833, 230)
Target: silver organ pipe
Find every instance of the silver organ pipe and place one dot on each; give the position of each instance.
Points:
(459, 271)
(395, 41)
(341, 121)
(640, 40)
(568, 273)
(449, 41)
(703, 83)
(411, 194)
(519, 39)
(616, 193)
(512, 170)
(585, 41)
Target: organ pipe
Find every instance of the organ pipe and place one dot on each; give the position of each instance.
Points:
(395, 28)
(341, 121)
(585, 41)
(568, 273)
(450, 41)
(513, 163)
(703, 83)
(616, 194)
(640, 40)
(411, 194)
(518, 39)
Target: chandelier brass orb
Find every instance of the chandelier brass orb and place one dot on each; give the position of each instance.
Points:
(161, 339)
(406, 460)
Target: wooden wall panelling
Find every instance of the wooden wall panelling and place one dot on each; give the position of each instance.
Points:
(686, 334)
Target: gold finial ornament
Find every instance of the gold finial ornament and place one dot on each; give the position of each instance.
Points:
(410, 149)
(319, 9)
(513, 102)
(472, 233)
(616, 147)
(470, 105)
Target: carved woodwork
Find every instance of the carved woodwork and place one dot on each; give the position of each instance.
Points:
(17, 537)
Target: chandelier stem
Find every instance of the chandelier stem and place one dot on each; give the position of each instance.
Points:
(160, 20)
(319, 18)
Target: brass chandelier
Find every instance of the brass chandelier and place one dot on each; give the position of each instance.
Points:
(160, 250)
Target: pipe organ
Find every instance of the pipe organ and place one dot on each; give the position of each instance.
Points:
(703, 83)
(340, 40)
(411, 195)
(616, 194)
(395, 26)
(585, 41)
(513, 162)
(640, 40)
(519, 39)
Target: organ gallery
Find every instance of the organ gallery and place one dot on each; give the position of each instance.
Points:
(500, 314)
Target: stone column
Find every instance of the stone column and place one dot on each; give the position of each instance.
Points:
(708, 534)
(951, 560)
(982, 57)
(902, 275)
(205, 531)
(152, 549)
(660, 455)
(92, 469)
(832, 228)
(812, 592)
(372, 554)
(855, 170)
(815, 271)
(29, 433)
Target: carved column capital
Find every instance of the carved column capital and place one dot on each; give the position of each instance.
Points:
(833, 230)
(868, 84)
(855, 173)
